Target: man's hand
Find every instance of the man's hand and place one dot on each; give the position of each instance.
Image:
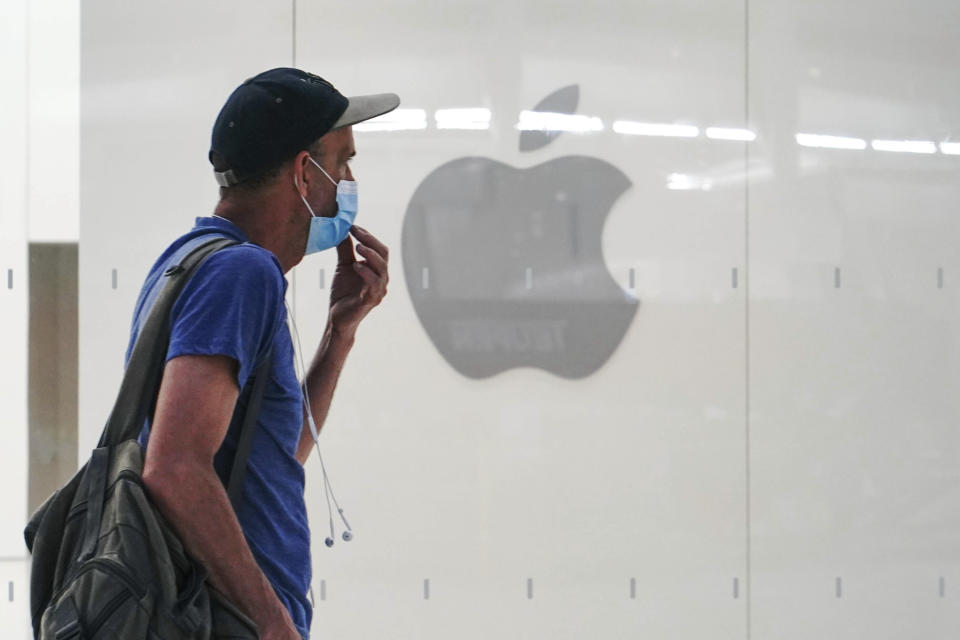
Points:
(357, 286)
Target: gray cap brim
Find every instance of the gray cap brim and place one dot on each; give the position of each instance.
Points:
(360, 108)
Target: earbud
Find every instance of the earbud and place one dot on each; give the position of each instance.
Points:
(348, 534)
(327, 486)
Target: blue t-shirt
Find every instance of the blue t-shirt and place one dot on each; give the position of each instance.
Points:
(233, 306)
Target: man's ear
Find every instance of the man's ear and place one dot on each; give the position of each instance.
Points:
(300, 176)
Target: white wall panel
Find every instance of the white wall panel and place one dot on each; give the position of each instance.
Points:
(54, 121)
(637, 471)
(15, 599)
(14, 305)
(815, 287)
(154, 78)
(853, 338)
(14, 280)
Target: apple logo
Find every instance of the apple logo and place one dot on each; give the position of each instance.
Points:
(505, 266)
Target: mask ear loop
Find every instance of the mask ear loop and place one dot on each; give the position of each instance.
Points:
(310, 209)
(335, 183)
(327, 485)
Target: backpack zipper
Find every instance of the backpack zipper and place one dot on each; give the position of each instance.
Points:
(121, 572)
(106, 612)
(110, 566)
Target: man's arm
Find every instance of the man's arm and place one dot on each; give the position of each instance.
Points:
(194, 407)
(357, 288)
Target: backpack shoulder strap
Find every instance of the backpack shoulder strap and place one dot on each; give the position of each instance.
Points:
(141, 381)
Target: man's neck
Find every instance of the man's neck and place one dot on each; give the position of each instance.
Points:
(264, 225)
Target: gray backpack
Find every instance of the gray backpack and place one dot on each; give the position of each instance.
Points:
(105, 563)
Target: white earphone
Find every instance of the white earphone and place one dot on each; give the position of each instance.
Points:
(327, 485)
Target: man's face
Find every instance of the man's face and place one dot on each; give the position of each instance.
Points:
(337, 150)
(341, 151)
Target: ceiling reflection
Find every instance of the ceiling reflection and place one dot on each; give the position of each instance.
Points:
(469, 119)
(396, 120)
(821, 141)
(481, 119)
(740, 135)
(628, 127)
(547, 121)
(950, 148)
(904, 146)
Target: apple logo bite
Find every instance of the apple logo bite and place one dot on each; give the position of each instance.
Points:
(505, 266)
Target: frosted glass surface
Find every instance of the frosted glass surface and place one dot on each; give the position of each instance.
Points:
(53, 38)
(483, 468)
(761, 446)
(13, 284)
(853, 339)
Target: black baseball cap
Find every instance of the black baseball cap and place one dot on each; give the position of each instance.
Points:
(275, 114)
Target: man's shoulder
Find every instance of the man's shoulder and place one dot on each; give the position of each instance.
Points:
(247, 255)
(238, 277)
(244, 264)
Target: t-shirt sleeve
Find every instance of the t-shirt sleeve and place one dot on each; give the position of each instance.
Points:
(230, 308)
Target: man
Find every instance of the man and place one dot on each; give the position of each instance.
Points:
(281, 148)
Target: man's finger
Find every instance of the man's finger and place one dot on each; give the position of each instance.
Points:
(345, 253)
(367, 274)
(376, 261)
(370, 240)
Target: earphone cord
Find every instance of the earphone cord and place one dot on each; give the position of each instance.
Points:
(327, 485)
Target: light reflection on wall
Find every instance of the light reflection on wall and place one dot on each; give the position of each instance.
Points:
(397, 120)
(737, 135)
(467, 119)
(480, 118)
(821, 141)
(547, 121)
(904, 146)
(950, 148)
(628, 127)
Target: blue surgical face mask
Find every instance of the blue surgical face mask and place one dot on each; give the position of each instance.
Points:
(326, 233)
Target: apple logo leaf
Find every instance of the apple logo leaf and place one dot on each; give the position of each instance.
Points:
(563, 101)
